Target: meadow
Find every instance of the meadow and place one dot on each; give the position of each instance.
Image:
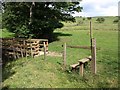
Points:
(37, 73)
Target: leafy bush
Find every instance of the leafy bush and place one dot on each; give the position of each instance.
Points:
(89, 18)
(116, 20)
(100, 20)
(83, 19)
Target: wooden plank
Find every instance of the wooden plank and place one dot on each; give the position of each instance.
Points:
(81, 69)
(31, 49)
(84, 60)
(89, 57)
(74, 65)
(82, 47)
(14, 52)
(43, 39)
(44, 51)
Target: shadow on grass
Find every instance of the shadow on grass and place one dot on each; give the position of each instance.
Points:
(56, 36)
(5, 88)
(7, 71)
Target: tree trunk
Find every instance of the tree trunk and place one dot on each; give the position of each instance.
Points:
(31, 12)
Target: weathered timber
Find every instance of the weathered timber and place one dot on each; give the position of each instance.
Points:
(23, 47)
(82, 47)
(84, 60)
(44, 51)
(73, 66)
(81, 69)
(93, 62)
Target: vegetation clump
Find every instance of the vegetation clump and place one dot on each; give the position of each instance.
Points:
(100, 20)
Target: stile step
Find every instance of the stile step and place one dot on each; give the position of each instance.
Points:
(74, 65)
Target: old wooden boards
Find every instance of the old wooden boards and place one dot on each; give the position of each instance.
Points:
(81, 62)
(20, 47)
(44, 51)
(93, 62)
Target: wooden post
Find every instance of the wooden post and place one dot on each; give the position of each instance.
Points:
(90, 30)
(81, 69)
(13, 47)
(44, 51)
(93, 62)
(64, 57)
(47, 46)
(31, 48)
(21, 49)
(91, 36)
(25, 47)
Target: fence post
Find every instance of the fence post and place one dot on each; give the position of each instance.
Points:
(64, 57)
(44, 51)
(25, 47)
(93, 62)
(47, 46)
(31, 47)
(81, 69)
(14, 51)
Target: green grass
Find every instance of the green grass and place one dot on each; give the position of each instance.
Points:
(5, 33)
(37, 73)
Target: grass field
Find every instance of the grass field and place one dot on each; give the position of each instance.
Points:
(37, 73)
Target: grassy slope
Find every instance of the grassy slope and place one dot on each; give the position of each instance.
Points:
(5, 33)
(38, 73)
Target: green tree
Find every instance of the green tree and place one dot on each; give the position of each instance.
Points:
(100, 19)
(116, 20)
(83, 19)
(37, 19)
(89, 18)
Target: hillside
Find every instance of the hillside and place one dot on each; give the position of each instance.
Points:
(37, 73)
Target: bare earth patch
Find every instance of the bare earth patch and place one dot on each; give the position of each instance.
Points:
(49, 53)
(54, 54)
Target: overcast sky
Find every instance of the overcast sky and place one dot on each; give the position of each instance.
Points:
(98, 8)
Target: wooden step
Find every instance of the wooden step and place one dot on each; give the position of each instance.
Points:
(84, 60)
(89, 57)
(74, 65)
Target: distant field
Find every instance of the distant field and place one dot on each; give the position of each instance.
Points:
(81, 24)
(37, 73)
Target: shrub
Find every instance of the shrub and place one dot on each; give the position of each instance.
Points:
(89, 18)
(100, 20)
(116, 20)
(83, 19)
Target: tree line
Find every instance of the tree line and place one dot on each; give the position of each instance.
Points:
(37, 19)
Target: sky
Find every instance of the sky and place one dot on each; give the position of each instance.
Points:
(93, 8)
